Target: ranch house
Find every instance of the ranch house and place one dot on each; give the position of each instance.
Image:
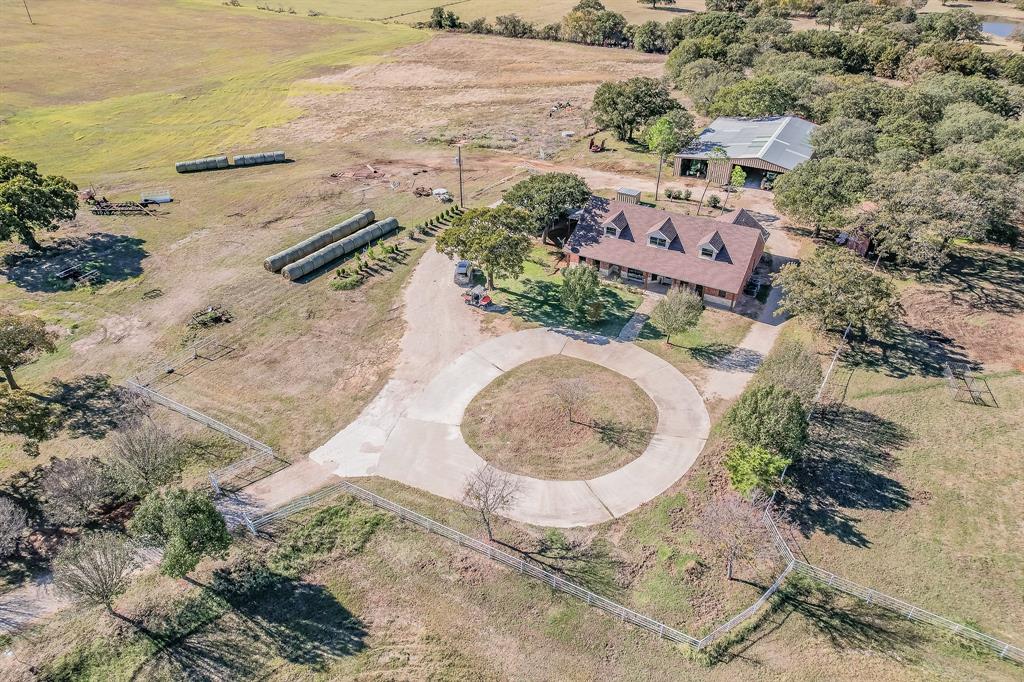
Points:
(660, 250)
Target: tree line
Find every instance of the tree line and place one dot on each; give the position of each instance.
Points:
(871, 38)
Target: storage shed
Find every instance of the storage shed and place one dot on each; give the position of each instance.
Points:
(627, 196)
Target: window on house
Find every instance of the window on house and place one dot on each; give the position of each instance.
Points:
(660, 242)
(610, 231)
(707, 252)
(634, 274)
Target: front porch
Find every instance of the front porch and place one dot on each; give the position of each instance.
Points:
(658, 284)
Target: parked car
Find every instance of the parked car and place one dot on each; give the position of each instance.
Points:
(463, 273)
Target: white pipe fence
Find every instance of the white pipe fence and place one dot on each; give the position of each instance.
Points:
(526, 568)
(916, 613)
(1001, 648)
(263, 452)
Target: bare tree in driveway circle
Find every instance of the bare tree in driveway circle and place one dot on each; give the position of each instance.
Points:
(488, 492)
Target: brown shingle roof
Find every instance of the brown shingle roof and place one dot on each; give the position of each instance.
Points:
(742, 242)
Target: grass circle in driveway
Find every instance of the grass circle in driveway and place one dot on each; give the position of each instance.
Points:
(519, 424)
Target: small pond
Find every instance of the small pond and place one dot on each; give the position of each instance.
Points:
(1000, 27)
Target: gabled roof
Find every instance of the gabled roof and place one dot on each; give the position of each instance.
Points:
(741, 244)
(784, 141)
(618, 220)
(714, 240)
(665, 227)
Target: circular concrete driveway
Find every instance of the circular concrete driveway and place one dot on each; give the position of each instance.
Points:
(425, 448)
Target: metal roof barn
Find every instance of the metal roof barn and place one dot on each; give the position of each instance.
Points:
(776, 143)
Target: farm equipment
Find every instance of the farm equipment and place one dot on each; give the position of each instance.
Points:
(477, 296)
(596, 148)
(209, 316)
(768, 181)
(101, 206)
(79, 274)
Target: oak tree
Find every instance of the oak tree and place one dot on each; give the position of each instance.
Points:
(627, 106)
(822, 192)
(833, 288)
(186, 524)
(30, 202)
(22, 339)
(496, 239)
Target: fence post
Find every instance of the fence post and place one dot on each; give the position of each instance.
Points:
(249, 523)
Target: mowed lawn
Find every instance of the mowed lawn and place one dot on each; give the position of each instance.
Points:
(173, 80)
(536, 297)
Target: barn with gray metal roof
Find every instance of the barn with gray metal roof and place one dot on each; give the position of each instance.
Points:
(761, 146)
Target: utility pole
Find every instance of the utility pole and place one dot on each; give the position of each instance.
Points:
(458, 162)
(25, 3)
(657, 183)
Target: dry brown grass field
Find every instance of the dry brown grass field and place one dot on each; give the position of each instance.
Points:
(519, 424)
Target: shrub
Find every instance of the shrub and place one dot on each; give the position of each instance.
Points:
(686, 195)
(714, 201)
(343, 528)
(346, 283)
(479, 25)
(771, 417)
(752, 467)
(792, 366)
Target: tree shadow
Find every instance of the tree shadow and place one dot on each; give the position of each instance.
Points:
(906, 351)
(986, 280)
(269, 616)
(849, 626)
(115, 257)
(846, 467)
(89, 405)
(620, 435)
(540, 301)
(590, 565)
(727, 358)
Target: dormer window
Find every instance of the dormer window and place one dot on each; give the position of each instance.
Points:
(611, 231)
(710, 246)
(659, 242)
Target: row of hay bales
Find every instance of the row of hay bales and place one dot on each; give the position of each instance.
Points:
(258, 159)
(204, 164)
(329, 245)
(218, 162)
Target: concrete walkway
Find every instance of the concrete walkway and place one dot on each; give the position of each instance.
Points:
(631, 330)
(425, 447)
(730, 375)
